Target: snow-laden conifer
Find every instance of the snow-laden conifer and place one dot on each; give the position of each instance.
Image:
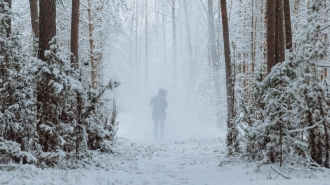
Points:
(72, 118)
(17, 100)
(289, 119)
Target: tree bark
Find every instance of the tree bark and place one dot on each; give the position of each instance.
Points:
(47, 25)
(94, 81)
(164, 41)
(174, 42)
(74, 59)
(146, 31)
(130, 96)
(98, 54)
(253, 36)
(34, 17)
(279, 33)
(325, 70)
(75, 33)
(288, 29)
(219, 33)
(191, 62)
(137, 57)
(47, 30)
(230, 101)
(270, 21)
(232, 142)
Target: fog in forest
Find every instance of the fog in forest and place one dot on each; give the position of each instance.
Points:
(85, 85)
(145, 58)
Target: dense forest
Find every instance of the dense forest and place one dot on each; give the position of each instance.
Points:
(258, 68)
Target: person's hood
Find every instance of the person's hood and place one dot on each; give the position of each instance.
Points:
(162, 92)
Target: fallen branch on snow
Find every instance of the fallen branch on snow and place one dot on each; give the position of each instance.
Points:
(224, 162)
(279, 172)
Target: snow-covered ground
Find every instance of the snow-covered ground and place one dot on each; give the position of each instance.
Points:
(190, 154)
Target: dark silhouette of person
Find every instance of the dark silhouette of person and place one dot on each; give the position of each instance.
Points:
(159, 104)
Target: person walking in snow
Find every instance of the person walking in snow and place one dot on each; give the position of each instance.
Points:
(159, 104)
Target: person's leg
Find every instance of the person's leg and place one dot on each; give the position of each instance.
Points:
(156, 125)
(162, 124)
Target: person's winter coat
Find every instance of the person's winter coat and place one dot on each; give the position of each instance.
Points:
(159, 104)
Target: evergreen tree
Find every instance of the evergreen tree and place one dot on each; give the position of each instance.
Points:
(62, 134)
(289, 119)
(17, 100)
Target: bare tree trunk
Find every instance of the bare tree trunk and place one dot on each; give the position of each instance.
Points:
(214, 61)
(137, 70)
(326, 134)
(130, 96)
(264, 11)
(279, 57)
(75, 33)
(279, 33)
(94, 68)
(230, 101)
(164, 43)
(270, 19)
(325, 70)
(219, 33)
(47, 30)
(232, 142)
(288, 29)
(191, 63)
(253, 36)
(174, 42)
(35, 24)
(146, 65)
(74, 59)
(34, 17)
(99, 54)
(47, 25)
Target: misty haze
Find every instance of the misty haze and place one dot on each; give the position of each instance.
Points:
(148, 92)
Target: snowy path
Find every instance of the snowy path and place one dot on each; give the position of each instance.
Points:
(184, 162)
(181, 159)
